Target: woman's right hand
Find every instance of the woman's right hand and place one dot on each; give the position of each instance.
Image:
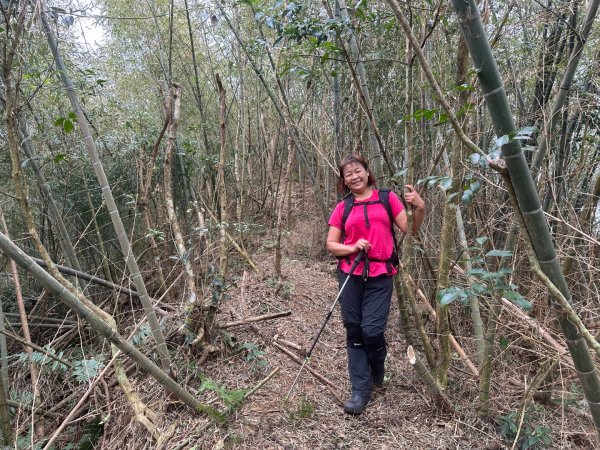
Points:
(361, 244)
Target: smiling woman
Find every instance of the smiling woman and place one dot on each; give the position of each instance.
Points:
(364, 220)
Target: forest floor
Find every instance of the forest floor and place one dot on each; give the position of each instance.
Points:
(403, 417)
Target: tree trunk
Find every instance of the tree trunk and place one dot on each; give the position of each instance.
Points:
(193, 303)
(221, 183)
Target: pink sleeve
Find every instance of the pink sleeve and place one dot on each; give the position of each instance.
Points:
(336, 216)
(396, 204)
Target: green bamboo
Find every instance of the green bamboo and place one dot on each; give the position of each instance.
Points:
(104, 329)
(565, 84)
(522, 181)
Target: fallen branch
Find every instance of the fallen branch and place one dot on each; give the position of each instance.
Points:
(535, 325)
(254, 319)
(44, 319)
(37, 347)
(328, 384)
(261, 384)
(96, 280)
(290, 344)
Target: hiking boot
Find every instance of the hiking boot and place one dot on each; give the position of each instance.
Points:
(356, 405)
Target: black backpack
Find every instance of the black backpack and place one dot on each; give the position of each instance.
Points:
(384, 199)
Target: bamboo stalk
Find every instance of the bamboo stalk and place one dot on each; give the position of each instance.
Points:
(103, 282)
(33, 370)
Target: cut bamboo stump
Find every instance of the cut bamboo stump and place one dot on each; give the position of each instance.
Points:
(432, 386)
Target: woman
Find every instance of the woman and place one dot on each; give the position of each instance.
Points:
(366, 298)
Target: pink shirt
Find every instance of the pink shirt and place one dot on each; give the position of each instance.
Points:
(379, 234)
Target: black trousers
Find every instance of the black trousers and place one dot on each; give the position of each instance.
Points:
(365, 310)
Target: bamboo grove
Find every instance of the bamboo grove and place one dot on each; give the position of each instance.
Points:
(150, 149)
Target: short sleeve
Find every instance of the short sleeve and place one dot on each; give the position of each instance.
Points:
(336, 216)
(396, 204)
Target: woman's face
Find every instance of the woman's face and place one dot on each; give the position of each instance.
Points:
(356, 177)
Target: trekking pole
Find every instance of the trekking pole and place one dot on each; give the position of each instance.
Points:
(358, 258)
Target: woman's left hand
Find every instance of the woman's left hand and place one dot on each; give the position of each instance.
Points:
(413, 198)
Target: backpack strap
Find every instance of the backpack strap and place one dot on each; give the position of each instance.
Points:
(348, 205)
(384, 196)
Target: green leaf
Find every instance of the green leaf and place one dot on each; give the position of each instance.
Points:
(500, 253)
(58, 122)
(482, 240)
(60, 157)
(86, 369)
(442, 119)
(505, 271)
(72, 116)
(475, 186)
(400, 173)
(467, 197)
(445, 183)
(503, 341)
(68, 126)
(527, 131)
(502, 140)
(447, 296)
(518, 300)
(464, 87)
(476, 272)
(478, 288)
